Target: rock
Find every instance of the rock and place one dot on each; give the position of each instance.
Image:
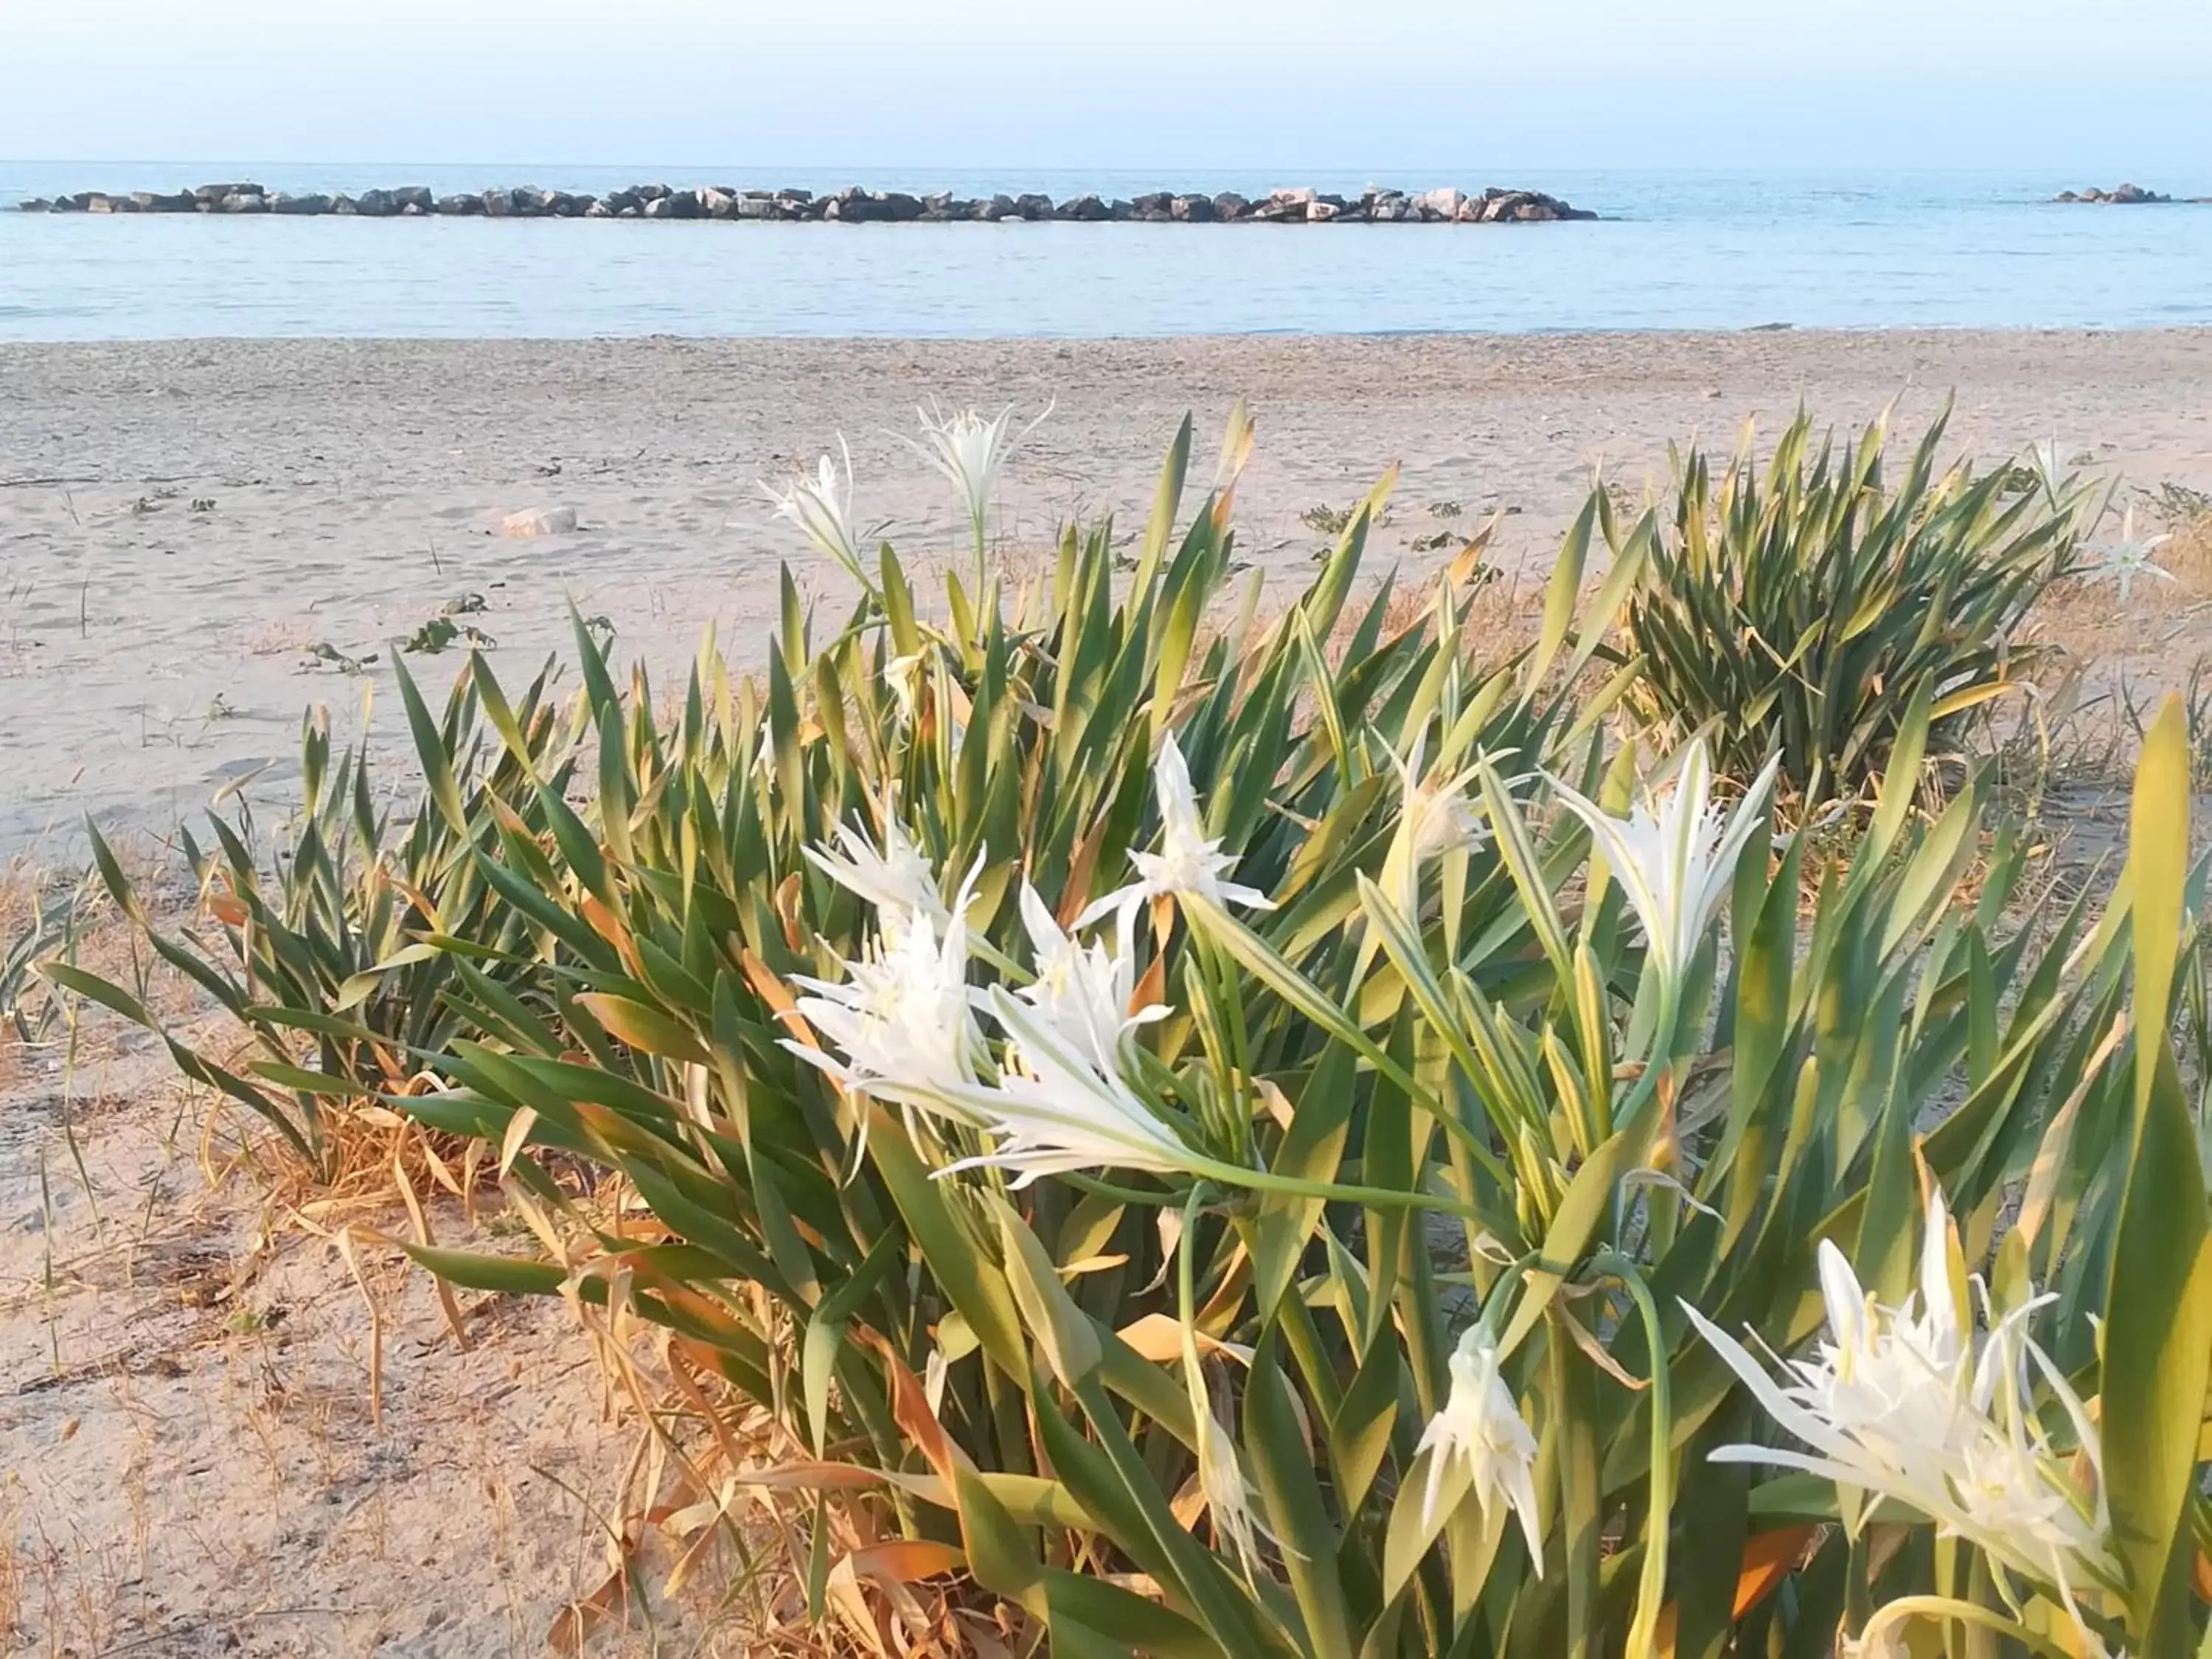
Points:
(717, 204)
(544, 521)
(36, 204)
(631, 213)
(302, 206)
(995, 207)
(1443, 203)
(460, 207)
(415, 196)
(1084, 209)
(1034, 206)
(155, 201)
(1391, 208)
(376, 204)
(98, 202)
(498, 203)
(343, 206)
(756, 207)
(2122, 195)
(598, 210)
(573, 206)
(675, 204)
(617, 200)
(243, 202)
(1230, 205)
(215, 195)
(1320, 213)
(1191, 209)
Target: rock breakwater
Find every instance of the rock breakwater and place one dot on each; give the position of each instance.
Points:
(2122, 196)
(1446, 205)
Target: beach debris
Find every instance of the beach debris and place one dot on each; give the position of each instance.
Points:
(1302, 204)
(543, 521)
(322, 650)
(441, 631)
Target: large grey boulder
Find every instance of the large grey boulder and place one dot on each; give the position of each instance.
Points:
(155, 201)
(460, 207)
(246, 202)
(1443, 203)
(1230, 205)
(306, 206)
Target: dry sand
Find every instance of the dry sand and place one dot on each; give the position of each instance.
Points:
(152, 652)
(187, 1462)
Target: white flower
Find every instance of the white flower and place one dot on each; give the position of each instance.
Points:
(1063, 1109)
(1909, 1404)
(1675, 858)
(822, 508)
(1435, 815)
(1188, 863)
(1082, 992)
(897, 880)
(1480, 1427)
(971, 452)
(1227, 1493)
(901, 1016)
(2120, 562)
(903, 675)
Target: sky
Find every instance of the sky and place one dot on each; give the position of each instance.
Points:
(2088, 94)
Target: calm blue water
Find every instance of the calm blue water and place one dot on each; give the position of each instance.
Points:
(1676, 251)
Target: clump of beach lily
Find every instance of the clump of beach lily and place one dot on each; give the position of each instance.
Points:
(1217, 1119)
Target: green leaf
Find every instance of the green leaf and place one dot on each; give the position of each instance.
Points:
(2158, 1332)
(1061, 1331)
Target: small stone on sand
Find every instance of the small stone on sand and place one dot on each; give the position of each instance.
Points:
(546, 521)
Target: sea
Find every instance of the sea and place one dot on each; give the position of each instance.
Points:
(1672, 251)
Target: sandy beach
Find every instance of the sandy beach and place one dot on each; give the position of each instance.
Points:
(183, 524)
(194, 1379)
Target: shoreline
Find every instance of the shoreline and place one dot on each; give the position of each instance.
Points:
(182, 523)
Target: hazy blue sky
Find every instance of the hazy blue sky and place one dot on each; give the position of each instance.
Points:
(2086, 93)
